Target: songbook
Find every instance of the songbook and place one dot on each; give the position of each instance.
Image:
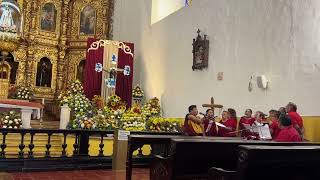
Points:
(262, 129)
(221, 125)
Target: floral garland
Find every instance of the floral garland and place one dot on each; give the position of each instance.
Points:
(11, 119)
(164, 124)
(152, 108)
(24, 93)
(137, 92)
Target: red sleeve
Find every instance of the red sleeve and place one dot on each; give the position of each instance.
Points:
(293, 119)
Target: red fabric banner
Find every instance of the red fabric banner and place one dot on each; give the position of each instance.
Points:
(92, 79)
(124, 83)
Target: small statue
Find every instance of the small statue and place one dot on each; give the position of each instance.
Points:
(6, 21)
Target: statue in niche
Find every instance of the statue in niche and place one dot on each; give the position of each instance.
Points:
(14, 68)
(200, 52)
(4, 70)
(48, 17)
(87, 21)
(44, 73)
(80, 70)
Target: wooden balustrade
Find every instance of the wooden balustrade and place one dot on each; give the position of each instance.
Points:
(28, 159)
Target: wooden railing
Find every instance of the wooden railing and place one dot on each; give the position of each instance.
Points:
(80, 157)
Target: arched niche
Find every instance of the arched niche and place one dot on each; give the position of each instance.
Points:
(80, 70)
(44, 73)
(14, 68)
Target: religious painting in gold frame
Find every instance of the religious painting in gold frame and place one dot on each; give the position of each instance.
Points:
(48, 17)
(88, 18)
(200, 52)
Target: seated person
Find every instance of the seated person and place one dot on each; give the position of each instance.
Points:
(209, 123)
(283, 110)
(260, 118)
(275, 125)
(193, 125)
(231, 125)
(247, 119)
(287, 133)
(296, 119)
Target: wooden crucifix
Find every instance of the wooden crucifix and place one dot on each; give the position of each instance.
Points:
(212, 105)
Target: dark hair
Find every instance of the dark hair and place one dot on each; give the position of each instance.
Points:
(285, 120)
(293, 106)
(192, 107)
(275, 113)
(233, 113)
(249, 110)
(261, 114)
(282, 110)
(209, 110)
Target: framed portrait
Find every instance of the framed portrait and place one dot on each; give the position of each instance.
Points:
(87, 21)
(48, 17)
(200, 52)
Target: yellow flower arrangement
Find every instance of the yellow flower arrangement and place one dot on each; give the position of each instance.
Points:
(164, 124)
(132, 122)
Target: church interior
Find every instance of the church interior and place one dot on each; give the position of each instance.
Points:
(159, 89)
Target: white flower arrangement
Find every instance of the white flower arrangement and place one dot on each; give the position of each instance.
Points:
(24, 93)
(11, 119)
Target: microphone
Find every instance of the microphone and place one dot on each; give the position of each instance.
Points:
(202, 114)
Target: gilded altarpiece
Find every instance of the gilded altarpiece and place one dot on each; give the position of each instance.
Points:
(56, 29)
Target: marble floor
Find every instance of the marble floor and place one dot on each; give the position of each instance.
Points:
(138, 174)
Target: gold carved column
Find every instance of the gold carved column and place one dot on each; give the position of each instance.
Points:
(62, 47)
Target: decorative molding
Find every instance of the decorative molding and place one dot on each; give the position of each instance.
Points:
(101, 43)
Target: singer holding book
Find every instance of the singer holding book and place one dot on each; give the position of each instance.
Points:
(210, 126)
(230, 123)
(247, 119)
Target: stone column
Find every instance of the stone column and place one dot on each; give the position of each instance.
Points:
(64, 116)
(26, 118)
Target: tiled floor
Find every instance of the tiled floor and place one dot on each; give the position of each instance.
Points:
(138, 174)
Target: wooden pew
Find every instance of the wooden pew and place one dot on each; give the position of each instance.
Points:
(273, 162)
(192, 158)
(136, 141)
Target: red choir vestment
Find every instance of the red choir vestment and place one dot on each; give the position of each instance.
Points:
(210, 127)
(296, 119)
(275, 126)
(230, 123)
(288, 134)
(244, 120)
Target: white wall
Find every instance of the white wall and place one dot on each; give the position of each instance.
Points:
(279, 38)
(163, 8)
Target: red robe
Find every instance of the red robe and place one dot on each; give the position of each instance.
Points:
(296, 119)
(212, 131)
(288, 134)
(231, 123)
(187, 130)
(248, 121)
(275, 126)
